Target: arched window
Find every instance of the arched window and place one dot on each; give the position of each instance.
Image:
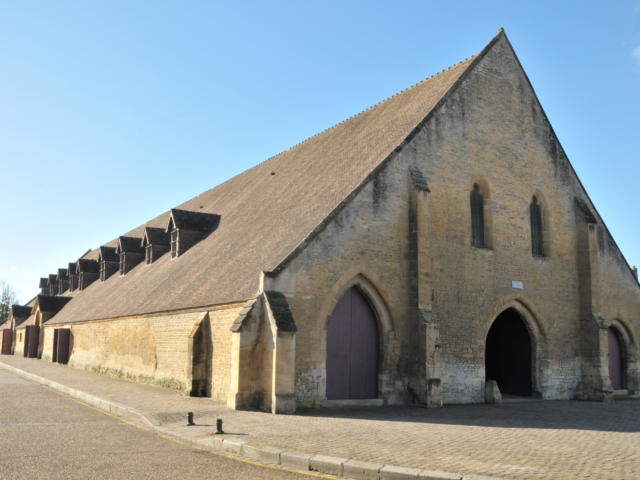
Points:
(535, 212)
(477, 217)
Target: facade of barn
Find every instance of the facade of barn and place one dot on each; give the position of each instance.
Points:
(433, 242)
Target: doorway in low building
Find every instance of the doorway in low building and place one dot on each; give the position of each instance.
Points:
(352, 349)
(508, 354)
(616, 360)
(201, 362)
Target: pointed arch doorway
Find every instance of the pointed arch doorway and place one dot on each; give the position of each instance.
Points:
(616, 360)
(352, 349)
(509, 354)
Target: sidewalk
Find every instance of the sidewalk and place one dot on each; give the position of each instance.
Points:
(521, 440)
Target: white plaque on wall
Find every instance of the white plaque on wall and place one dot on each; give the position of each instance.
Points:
(517, 284)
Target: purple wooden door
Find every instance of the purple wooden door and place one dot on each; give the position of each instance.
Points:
(34, 340)
(352, 349)
(7, 338)
(616, 365)
(64, 340)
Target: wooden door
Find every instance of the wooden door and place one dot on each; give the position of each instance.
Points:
(7, 339)
(352, 349)
(34, 340)
(64, 340)
(616, 364)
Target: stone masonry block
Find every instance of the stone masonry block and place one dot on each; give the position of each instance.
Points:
(233, 446)
(328, 465)
(435, 475)
(217, 443)
(391, 472)
(251, 453)
(295, 460)
(361, 470)
(271, 455)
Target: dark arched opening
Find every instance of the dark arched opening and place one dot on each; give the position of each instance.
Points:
(616, 360)
(508, 354)
(352, 349)
(202, 355)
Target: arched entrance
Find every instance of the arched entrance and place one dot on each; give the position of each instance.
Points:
(352, 349)
(616, 360)
(508, 354)
(201, 361)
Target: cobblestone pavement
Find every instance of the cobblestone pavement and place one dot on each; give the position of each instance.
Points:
(516, 440)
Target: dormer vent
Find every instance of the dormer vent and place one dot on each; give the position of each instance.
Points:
(19, 313)
(88, 271)
(109, 262)
(155, 243)
(49, 305)
(44, 286)
(73, 277)
(130, 253)
(187, 228)
(63, 280)
(52, 285)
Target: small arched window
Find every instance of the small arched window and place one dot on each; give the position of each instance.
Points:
(477, 217)
(537, 241)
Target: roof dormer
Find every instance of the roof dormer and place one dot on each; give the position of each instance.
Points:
(88, 271)
(73, 277)
(187, 228)
(109, 262)
(47, 306)
(63, 280)
(156, 242)
(130, 253)
(52, 285)
(18, 314)
(44, 285)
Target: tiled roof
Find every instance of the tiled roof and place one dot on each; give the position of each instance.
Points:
(264, 213)
(31, 320)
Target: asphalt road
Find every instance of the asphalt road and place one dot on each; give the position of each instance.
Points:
(44, 435)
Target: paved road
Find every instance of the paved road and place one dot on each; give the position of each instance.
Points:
(44, 435)
(524, 440)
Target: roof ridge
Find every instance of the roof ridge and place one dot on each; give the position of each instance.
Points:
(302, 142)
(386, 99)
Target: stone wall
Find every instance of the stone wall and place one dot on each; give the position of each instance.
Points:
(440, 300)
(221, 321)
(155, 349)
(18, 343)
(610, 300)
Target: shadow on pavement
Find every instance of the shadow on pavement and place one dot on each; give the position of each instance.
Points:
(623, 416)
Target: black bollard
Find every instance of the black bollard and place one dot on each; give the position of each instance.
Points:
(219, 426)
(190, 419)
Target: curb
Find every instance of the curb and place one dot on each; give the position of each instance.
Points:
(267, 456)
(114, 408)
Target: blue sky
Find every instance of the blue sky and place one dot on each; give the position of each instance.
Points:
(113, 112)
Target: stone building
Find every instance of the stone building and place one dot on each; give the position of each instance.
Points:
(432, 242)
